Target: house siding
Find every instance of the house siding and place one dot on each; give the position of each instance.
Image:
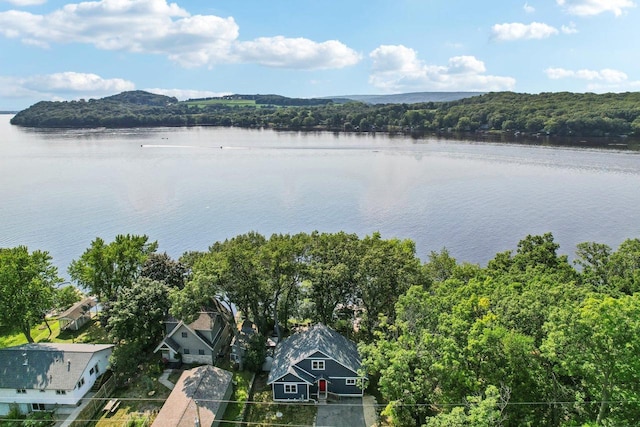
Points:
(65, 403)
(279, 394)
(331, 368)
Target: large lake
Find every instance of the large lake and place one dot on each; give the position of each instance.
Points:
(190, 187)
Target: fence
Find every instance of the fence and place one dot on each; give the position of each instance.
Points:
(95, 404)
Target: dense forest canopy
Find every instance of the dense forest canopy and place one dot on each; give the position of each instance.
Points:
(527, 340)
(555, 114)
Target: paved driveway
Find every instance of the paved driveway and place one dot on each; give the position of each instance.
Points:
(346, 413)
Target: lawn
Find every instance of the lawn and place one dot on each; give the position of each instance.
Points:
(265, 412)
(92, 332)
(226, 102)
(140, 401)
(241, 386)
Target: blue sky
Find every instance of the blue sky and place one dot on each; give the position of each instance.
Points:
(55, 50)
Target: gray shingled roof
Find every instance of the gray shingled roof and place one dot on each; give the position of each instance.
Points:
(79, 309)
(49, 366)
(301, 345)
(206, 385)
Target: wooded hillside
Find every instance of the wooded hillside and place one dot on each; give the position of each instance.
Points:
(554, 114)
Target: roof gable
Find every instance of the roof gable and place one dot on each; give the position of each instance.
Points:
(206, 385)
(49, 366)
(318, 339)
(79, 309)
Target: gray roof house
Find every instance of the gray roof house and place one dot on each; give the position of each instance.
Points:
(201, 341)
(313, 364)
(77, 315)
(49, 376)
(200, 393)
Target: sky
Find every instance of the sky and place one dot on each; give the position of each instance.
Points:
(64, 50)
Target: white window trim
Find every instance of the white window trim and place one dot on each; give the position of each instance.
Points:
(320, 365)
(293, 388)
(351, 381)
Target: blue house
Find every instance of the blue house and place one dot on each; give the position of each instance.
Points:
(314, 364)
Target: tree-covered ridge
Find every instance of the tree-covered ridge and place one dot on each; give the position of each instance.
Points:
(556, 114)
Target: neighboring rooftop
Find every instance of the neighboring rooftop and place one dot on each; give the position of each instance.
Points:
(45, 366)
(206, 385)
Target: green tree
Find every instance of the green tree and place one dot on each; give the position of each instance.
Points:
(598, 342)
(161, 267)
(66, 296)
(387, 269)
(107, 269)
(27, 283)
(478, 411)
(139, 313)
(332, 270)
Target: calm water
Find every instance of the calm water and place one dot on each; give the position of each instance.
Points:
(190, 187)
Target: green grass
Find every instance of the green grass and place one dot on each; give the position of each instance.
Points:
(264, 410)
(92, 332)
(140, 401)
(227, 102)
(241, 385)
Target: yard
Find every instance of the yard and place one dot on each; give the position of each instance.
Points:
(241, 386)
(92, 332)
(139, 402)
(264, 411)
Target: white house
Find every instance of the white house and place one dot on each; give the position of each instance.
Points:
(49, 376)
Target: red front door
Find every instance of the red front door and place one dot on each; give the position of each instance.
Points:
(322, 385)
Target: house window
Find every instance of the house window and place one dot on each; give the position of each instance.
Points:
(91, 371)
(184, 335)
(317, 365)
(201, 352)
(61, 392)
(81, 382)
(351, 381)
(21, 391)
(37, 407)
(186, 351)
(291, 388)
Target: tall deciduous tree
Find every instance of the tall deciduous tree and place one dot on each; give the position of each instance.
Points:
(161, 267)
(27, 282)
(387, 269)
(139, 313)
(599, 341)
(332, 270)
(107, 269)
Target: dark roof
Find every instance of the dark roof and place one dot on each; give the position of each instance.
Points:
(301, 345)
(206, 385)
(49, 366)
(79, 309)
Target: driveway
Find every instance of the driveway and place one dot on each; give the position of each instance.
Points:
(348, 412)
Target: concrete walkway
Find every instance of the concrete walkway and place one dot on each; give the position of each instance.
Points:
(369, 405)
(164, 379)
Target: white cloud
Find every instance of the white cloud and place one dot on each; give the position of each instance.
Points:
(397, 68)
(519, 31)
(569, 29)
(606, 75)
(528, 8)
(296, 53)
(76, 82)
(184, 94)
(595, 7)
(158, 27)
(22, 3)
(603, 80)
(67, 85)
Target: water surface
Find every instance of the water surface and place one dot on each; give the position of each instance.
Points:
(190, 187)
